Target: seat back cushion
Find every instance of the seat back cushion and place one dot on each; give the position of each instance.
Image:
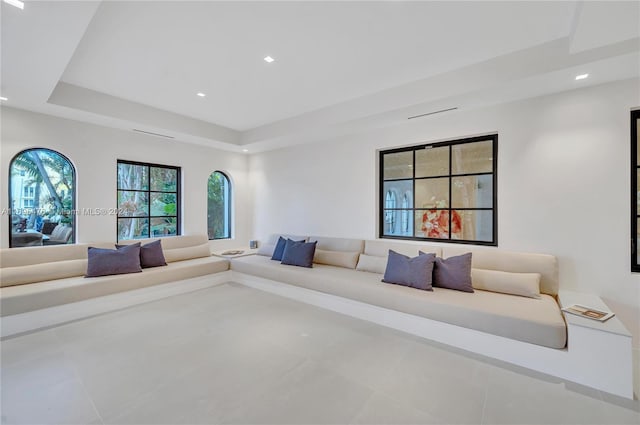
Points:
(20, 275)
(338, 244)
(13, 257)
(172, 242)
(187, 253)
(344, 259)
(380, 248)
(514, 262)
(522, 284)
(371, 263)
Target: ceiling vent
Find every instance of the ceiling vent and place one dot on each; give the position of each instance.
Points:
(153, 134)
(433, 113)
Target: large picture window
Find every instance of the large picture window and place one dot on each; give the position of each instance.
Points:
(42, 197)
(635, 195)
(218, 206)
(148, 200)
(443, 191)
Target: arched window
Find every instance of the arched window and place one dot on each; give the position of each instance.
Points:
(219, 206)
(390, 216)
(41, 195)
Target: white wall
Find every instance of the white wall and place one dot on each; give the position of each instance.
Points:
(94, 151)
(563, 182)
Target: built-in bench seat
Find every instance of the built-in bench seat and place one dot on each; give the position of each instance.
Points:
(527, 331)
(538, 321)
(40, 277)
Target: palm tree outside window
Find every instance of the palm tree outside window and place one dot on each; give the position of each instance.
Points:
(41, 190)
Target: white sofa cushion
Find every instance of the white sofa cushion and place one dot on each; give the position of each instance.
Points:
(537, 321)
(515, 262)
(186, 253)
(336, 258)
(522, 284)
(10, 276)
(338, 244)
(23, 298)
(380, 248)
(371, 263)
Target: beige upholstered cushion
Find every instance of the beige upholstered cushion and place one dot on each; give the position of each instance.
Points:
(338, 244)
(336, 258)
(172, 242)
(10, 276)
(13, 257)
(380, 248)
(23, 298)
(515, 262)
(187, 253)
(523, 284)
(537, 321)
(372, 263)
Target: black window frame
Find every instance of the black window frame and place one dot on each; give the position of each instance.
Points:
(228, 203)
(450, 175)
(635, 166)
(178, 193)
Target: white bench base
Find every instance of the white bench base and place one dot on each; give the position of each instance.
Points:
(31, 321)
(594, 358)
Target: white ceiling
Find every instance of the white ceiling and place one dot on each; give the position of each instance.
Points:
(340, 66)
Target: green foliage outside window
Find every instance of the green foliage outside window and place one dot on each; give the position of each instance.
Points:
(218, 206)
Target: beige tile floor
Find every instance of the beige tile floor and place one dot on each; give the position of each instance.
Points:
(231, 354)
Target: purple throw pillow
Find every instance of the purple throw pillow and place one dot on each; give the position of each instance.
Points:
(453, 273)
(151, 254)
(104, 262)
(414, 272)
(278, 252)
(299, 253)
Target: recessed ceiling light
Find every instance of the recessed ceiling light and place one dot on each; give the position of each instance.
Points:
(201, 94)
(245, 150)
(4, 99)
(581, 76)
(17, 3)
(269, 59)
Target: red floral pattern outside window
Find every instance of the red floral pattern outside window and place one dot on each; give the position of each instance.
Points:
(435, 223)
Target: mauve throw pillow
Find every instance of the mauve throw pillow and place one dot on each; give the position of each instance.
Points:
(151, 254)
(299, 253)
(279, 250)
(453, 273)
(104, 262)
(414, 272)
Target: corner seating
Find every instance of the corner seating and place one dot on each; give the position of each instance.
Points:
(525, 331)
(47, 276)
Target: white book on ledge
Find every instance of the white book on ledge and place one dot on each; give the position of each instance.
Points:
(588, 312)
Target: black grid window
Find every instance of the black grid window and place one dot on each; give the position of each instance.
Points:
(635, 195)
(448, 191)
(148, 200)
